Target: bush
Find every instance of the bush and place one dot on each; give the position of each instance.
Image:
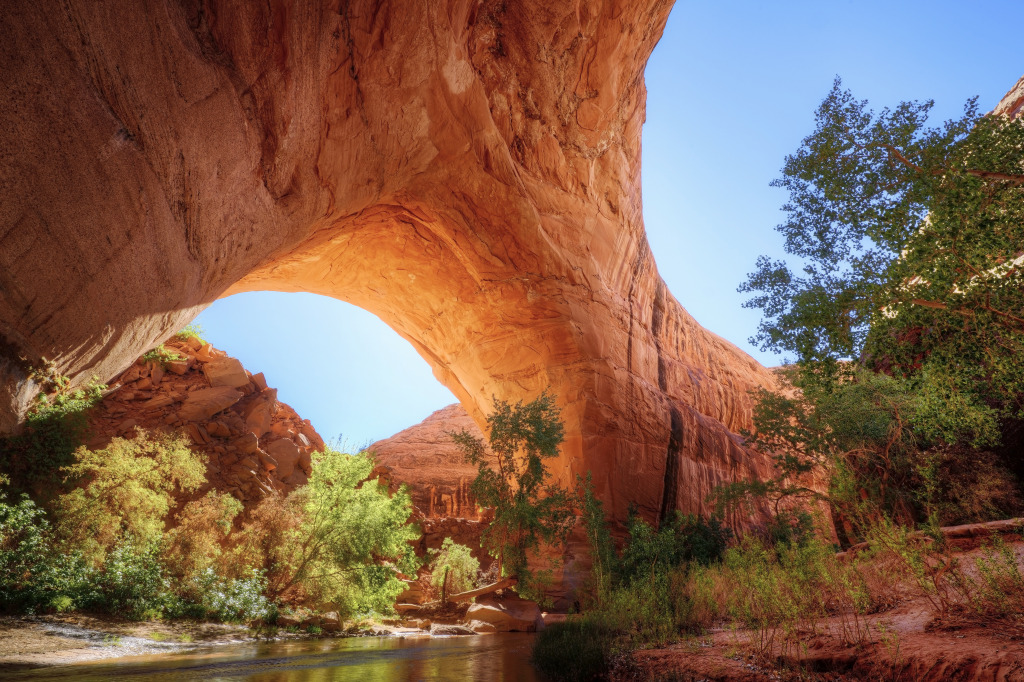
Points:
(338, 543)
(191, 331)
(683, 539)
(34, 574)
(163, 356)
(581, 648)
(454, 569)
(133, 583)
(194, 546)
(229, 600)
(126, 488)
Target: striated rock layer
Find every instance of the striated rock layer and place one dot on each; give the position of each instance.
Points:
(467, 171)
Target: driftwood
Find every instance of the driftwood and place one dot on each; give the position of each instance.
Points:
(494, 587)
(967, 530)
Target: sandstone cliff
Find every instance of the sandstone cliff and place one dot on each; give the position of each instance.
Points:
(425, 458)
(467, 171)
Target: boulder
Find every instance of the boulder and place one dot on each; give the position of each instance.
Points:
(482, 628)
(508, 615)
(225, 372)
(202, 404)
(260, 412)
(158, 401)
(268, 462)
(404, 609)
(286, 454)
(248, 444)
(449, 629)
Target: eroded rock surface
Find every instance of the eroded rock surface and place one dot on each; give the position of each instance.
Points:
(425, 458)
(467, 171)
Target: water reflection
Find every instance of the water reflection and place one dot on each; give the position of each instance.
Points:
(503, 658)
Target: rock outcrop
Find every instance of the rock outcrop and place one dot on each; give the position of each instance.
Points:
(425, 458)
(467, 171)
(210, 397)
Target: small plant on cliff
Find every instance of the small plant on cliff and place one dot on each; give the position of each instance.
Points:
(528, 509)
(54, 427)
(454, 569)
(192, 331)
(163, 356)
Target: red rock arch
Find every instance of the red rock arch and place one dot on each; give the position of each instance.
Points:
(467, 171)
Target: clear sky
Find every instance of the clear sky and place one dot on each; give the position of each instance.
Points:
(732, 88)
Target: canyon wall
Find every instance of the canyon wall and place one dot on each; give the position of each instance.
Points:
(467, 171)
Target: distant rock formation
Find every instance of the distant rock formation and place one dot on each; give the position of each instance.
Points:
(425, 458)
(254, 443)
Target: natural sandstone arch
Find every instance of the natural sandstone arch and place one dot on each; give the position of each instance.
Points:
(468, 171)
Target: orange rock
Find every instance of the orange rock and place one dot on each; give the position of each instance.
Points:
(425, 458)
(225, 372)
(469, 172)
(260, 412)
(286, 454)
(202, 404)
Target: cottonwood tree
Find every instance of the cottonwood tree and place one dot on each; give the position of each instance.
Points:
(528, 509)
(903, 305)
(909, 246)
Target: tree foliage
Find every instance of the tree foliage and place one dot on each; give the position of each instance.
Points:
(454, 568)
(340, 541)
(528, 509)
(125, 489)
(904, 310)
(909, 240)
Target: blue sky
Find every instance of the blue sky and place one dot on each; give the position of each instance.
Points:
(732, 88)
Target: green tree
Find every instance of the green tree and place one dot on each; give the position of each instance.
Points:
(909, 243)
(125, 489)
(455, 568)
(905, 315)
(527, 508)
(341, 540)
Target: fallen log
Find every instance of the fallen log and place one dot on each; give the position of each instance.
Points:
(487, 589)
(967, 530)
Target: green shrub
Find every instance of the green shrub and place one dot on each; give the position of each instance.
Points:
(191, 331)
(34, 574)
(128, 488)
(579, 649)
(454, 568)
(683, 539)
(228, 600)
(338, 543)
(132, 582)
(162, 355)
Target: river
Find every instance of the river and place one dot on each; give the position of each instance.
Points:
(501, 658)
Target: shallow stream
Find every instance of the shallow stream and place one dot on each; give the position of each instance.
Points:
(502, 658)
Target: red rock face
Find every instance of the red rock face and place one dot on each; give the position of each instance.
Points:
(425, 458)
(467, 171)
